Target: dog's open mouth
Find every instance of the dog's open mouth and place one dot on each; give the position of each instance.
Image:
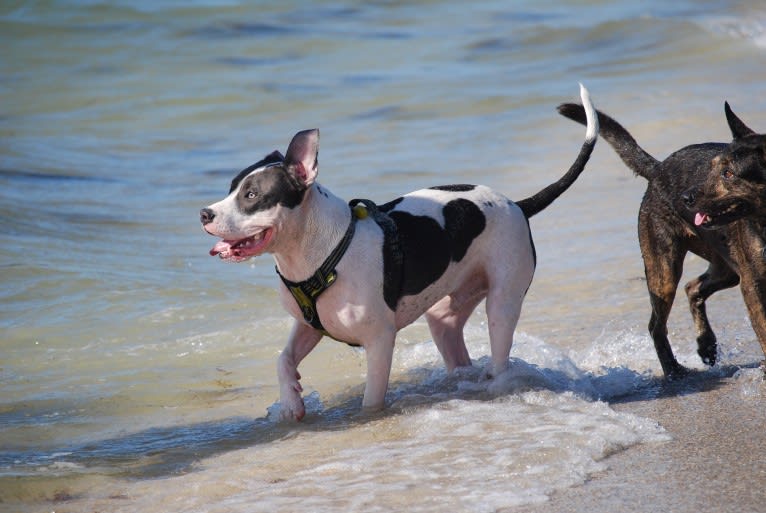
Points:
(242, 249)
(724, 216)
(702, 219)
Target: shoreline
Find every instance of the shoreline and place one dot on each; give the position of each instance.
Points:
(714, 463)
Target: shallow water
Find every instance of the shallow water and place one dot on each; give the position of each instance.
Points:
(136, 368)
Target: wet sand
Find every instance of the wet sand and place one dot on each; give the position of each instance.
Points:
(716, 461)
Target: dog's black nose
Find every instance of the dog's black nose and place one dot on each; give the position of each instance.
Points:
(689, 197)
(206, 216)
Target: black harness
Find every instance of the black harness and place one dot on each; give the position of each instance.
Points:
(308, 291)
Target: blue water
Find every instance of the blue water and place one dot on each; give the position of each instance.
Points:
(123, 341)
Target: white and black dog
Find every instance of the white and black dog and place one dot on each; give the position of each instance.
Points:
(360, 272)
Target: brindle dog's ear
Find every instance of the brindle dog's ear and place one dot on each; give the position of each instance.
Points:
(737, 127)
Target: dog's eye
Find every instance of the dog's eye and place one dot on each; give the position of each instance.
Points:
(250, 195)
(727, 173)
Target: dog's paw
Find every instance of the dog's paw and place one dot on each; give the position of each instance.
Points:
(292, 412)
(678, 372)
(492, 370)
(707, 349)
(709, 358)
(291, 406)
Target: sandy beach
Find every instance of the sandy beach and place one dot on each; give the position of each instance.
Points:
(715, 462)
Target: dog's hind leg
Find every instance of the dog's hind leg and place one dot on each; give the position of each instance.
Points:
(718, 276)
(509, 278)
(446, 325)
(503, 312)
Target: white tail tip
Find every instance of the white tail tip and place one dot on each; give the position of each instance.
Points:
(590, 114)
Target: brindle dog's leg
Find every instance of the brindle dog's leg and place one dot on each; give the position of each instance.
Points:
(663, 264)
(750, 254)
(754, 292)
(718, 276)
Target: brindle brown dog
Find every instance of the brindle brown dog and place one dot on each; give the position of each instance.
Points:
(708, 199)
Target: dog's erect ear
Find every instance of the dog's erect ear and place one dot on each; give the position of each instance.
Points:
(302, 158)
(737, 127)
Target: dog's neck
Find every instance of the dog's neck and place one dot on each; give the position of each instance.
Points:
(310, 232)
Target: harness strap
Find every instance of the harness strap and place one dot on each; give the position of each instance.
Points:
(393, 254)
(308, 291)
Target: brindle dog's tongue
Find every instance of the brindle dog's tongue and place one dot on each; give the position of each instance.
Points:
(701, 218)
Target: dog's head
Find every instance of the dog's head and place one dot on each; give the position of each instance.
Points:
(735, 187)
(247, 220)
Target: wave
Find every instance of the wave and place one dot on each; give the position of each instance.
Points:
(749, 26)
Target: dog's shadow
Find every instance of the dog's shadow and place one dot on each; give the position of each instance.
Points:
(165, 451)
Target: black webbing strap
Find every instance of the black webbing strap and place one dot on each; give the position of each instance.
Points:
(306, 292)
(393, 254)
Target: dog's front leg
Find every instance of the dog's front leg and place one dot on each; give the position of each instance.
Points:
(302, 340)
(379, 352)
(749, 254)
(754, 294)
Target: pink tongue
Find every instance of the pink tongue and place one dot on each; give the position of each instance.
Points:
(223, 246)
(700, 218)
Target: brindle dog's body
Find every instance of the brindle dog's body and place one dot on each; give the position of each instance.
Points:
(708, 199)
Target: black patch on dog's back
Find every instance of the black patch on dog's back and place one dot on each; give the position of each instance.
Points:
(454, 188)
(463, 222)
(428, 248)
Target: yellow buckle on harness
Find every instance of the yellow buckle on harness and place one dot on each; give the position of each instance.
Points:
(360, 211)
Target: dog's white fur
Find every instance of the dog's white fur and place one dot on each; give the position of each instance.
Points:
(498, 267)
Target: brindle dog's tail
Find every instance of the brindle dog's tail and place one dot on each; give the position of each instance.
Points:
(535, 204)
(638, 160)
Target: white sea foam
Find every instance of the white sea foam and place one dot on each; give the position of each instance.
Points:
(448, 442)
(460, 455)
(750, 27)
(751, 383)
(615, 364)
